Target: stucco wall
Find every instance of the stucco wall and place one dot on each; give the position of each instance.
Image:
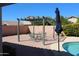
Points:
(12, 30)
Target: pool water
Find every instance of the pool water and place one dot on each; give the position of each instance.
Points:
(72, 48)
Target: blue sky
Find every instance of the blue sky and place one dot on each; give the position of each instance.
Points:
(12, 12)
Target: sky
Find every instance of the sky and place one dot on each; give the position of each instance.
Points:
(22, 10)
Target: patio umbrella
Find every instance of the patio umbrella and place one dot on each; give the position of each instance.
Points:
(58, 26)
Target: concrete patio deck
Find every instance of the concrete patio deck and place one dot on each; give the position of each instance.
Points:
(26, 40)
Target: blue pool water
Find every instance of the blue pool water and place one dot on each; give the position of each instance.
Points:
(72, 48)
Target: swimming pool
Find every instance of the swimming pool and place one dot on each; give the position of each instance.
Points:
(72, 48)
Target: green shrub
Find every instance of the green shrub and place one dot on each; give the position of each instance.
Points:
(71, 29)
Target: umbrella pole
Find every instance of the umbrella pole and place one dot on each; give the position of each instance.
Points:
(58, 44)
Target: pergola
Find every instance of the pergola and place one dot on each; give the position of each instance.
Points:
(33, 20)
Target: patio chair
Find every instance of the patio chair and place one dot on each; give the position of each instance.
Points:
(32, 36)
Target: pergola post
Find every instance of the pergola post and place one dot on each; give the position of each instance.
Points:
(33, 30)
(1, 32)
(43, 30)
(18, 29)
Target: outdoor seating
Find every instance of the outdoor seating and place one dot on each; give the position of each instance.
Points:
(37, 36)
(31, 36)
